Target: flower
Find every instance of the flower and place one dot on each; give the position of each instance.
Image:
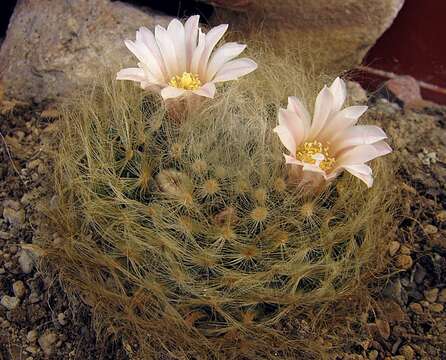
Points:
(180, 60)
(331, 142)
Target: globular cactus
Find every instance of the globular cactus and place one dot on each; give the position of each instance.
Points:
(189, 236)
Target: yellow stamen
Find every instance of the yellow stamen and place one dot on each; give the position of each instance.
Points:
(187, 81)
(314, 153)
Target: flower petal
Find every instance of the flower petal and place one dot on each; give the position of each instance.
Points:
(178, 37)
(292, 160)
(340, 121)
(212, 38)
(221, 56)
(339, 91)
(313, 168)
(170, 92)
(145, 57)
(294, 104)
(357, 135)
(362, 172)
(286, 137)
(293, 123)
(322, 110)
(191, 33)
(382, 148)
(234, 69)
(167, 49)
(362, 154)
(207, 90)
(153, 59)
(198, 52)
(133, 74)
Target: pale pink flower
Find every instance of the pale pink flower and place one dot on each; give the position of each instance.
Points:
(181, 60)
(331, 142)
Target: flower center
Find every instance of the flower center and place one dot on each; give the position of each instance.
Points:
(187, 81)
(314, 153)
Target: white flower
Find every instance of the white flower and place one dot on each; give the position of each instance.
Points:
(331, 142)
(180, 60)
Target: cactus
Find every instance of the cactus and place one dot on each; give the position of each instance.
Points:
(189, 237)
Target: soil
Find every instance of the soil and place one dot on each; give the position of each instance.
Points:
(39, 320)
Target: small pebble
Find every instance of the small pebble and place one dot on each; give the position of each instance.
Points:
(34, 297)
(10, 302)
(373, 355)
(26, 262)
(32, 336)
(431, 295)
(430, 229)
(407, 352)
(14, 217)
(394, 247)
(416, 308)
(47, 342)
(420, 274)
(436, 308)
(441, 215)
(404, 262)
(405, 250)
(32, 349)
(19, 289)
(61, 319)
(442, 296)
(13, 249)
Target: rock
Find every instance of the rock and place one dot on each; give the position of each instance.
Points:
(14, 217)
(420, 274)
(407, 352)
(61, 319)
(5, 235)
(430, 229)
(19, 289)
(436, 308)
(393, 290)
(336, 33)
(441, 215)
(404, 262)
(383, 328)
(394, 246)
(404, 89)
(26, 262)
(405, 250)
(32, 336)
(392, 311)
(53, 46)
(32, 350)
(237, 5)
(10, 302)
(442, 296)
(416, 308)
(373, 355)
(356, 93)
(47, 342)
(431, 295)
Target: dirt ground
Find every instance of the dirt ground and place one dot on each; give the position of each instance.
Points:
(39, 320)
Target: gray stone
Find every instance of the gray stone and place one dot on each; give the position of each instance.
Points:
(14, 217)
(337, 33)
(19, 289)
(32, 336)
(10, 302)
(26, 262)
(53, 46)
(47, 342)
